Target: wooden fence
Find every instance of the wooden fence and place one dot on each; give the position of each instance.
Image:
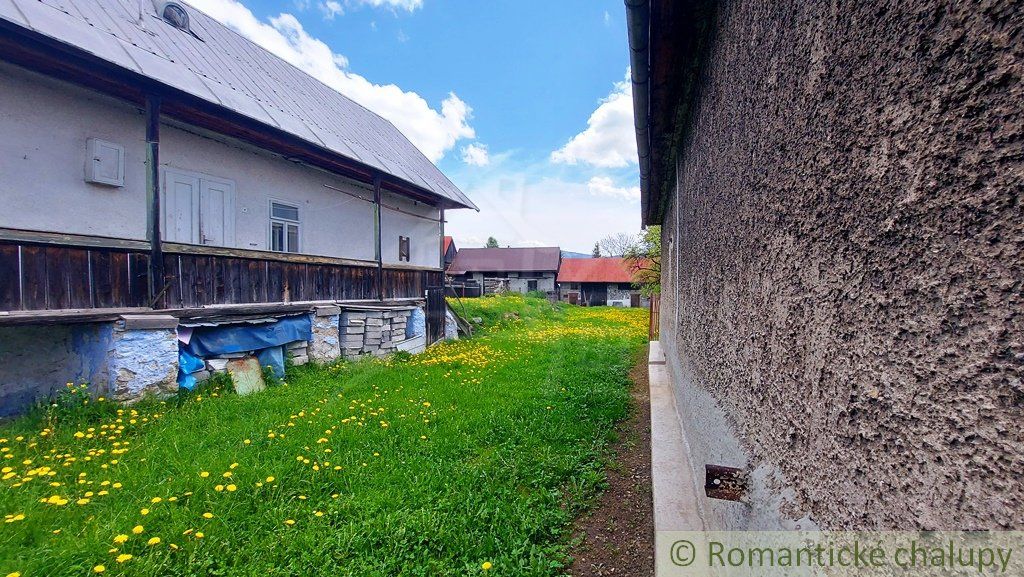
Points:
(653, 328)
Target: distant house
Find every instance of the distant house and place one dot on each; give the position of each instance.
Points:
(605, 281)
(449, 251)
(508, 269)
(161, 172)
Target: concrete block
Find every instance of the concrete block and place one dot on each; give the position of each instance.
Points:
(327, 311)
(355, 330)
(217, 365)
(374, 322)
(300, 360)
(147, 322)
(295, 345)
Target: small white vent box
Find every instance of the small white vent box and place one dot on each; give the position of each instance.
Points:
(104, 163)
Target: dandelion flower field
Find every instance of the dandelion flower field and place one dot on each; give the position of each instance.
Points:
(469, 459)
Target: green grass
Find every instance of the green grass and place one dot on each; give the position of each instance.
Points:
(477, 451)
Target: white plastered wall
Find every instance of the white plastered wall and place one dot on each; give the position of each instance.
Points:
(44, 125)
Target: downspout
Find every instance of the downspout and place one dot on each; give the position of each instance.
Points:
(638, 23)
(377, 235)
(155, 272)
(444, 277)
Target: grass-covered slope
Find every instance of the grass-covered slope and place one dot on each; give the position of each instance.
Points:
(473, 452)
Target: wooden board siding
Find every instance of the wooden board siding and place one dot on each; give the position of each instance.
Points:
(52, 277)
(34, 277)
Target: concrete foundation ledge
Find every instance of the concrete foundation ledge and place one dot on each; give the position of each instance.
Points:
(676, 501)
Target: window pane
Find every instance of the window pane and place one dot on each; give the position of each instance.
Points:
(293, 238)
(284, 211)
(277, 236)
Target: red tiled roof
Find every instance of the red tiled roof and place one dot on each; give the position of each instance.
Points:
(506, 259)
(607, 269)
(447, 243)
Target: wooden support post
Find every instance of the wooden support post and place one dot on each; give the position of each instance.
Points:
(155, 273)
(377, 235)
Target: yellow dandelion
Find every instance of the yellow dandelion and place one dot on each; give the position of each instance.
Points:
(270, 479)
(123, 557)
(155, 500)
(120, 538)
(219, 488)
(153, 541)
(199, 535)
(289, 522)
(231, 488)
(82, 502)
(486, 566)
(144, 511)
(138, 529)
(208, 515)
(99, 569)
(204, 474)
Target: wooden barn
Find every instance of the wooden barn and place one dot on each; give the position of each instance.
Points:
(606, 281)
(162, 174)
(508, 269)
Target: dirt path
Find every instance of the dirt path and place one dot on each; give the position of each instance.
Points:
(617, 535)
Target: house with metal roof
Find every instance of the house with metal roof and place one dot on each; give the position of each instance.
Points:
(508, 269)
(602, 281)
(158, 165)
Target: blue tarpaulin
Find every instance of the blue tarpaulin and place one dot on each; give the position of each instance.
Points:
(210, 341)
(265, 339)
(188, 364)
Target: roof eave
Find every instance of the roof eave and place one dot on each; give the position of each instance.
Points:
(52, 57)
(667, 42)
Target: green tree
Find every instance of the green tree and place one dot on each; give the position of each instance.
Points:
(644, 259)
(491, 242)
(597, 250)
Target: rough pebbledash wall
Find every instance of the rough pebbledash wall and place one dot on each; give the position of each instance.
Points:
(844, 262)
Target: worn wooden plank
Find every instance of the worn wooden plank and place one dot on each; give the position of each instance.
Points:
(79, 279)
(33, 270)
(57, 293)
(275, 281)
(138, 281)
(10, 278)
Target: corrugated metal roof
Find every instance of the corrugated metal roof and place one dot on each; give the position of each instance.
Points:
(607, 269)
(447, 243)
(222, 67)
(505, 260)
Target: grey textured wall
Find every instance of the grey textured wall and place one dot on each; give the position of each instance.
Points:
(843, 265)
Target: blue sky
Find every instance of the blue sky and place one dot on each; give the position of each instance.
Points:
(493, 92)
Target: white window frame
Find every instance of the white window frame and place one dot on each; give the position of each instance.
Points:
(271, 220)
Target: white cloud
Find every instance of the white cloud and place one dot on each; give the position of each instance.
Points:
(433, 131)
(526, 206)
(408, 5)
(609, 140)
(331, 8)
(604, 186)
(607, 18)
(476, 154)
(301, 5)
